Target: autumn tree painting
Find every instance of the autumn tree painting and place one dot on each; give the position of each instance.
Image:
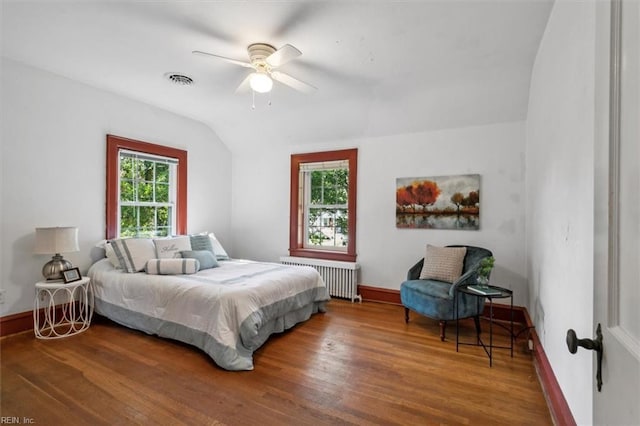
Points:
(418, 193)
(441, 202)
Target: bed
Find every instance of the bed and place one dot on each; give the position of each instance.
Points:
(228, 311)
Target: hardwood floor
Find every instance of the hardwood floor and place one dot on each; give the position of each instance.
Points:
(356, 364)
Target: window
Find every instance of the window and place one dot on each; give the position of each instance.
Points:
(146, 189)
(147, 195)
(325, 188)
(323, 205)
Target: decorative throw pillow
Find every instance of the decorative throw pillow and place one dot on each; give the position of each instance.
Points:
(205, 257)
(218, 250)
(108, 252)
(133, 253)
(169, 248)
(172, 266)
(201, 242)
(111, 255)
(443, 263)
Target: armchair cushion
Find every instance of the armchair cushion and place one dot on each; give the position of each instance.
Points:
(421, 296)
(443, 263)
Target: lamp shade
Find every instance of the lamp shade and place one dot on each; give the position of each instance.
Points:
(56, 240)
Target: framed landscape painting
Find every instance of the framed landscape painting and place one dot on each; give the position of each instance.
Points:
(438, 202)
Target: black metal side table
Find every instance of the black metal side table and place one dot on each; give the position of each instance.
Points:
(496, 293)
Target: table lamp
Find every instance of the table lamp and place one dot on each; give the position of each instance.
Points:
(55, 241)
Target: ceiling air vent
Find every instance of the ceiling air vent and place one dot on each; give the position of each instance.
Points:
(179, 79)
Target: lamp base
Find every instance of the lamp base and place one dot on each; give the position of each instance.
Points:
(52, 270)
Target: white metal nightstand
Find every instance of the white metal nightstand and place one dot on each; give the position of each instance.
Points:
(73, 313)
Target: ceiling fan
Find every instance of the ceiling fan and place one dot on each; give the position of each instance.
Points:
(264, 59)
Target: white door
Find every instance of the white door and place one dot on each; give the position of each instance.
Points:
(617, 216)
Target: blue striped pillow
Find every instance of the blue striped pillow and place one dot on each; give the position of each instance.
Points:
(201, 242)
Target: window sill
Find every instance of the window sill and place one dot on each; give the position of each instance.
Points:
(322, 254)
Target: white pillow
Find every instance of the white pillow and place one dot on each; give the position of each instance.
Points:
(218, 250)
(108, 252)
(111, 255)
(172, 266)
(170, 248)
(443, 263)
(133, 253)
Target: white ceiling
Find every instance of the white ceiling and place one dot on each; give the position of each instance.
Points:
(381, 67)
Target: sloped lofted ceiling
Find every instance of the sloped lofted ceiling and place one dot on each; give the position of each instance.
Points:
(381, 67)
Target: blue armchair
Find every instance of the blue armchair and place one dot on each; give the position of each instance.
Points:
(435, 299)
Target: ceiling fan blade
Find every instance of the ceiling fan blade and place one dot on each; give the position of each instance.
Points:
(233, 61)
(293, 82)
(283, 55)
(244, 86)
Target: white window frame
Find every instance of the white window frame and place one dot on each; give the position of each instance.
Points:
(173, 191)
(305, 179)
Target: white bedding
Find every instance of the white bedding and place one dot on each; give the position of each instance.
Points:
(228, 311)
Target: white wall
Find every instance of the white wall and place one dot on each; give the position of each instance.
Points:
(261, 214)
(560, 196)
(53, 168)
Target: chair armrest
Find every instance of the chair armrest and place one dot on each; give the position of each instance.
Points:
(414, 272)
(464, 279)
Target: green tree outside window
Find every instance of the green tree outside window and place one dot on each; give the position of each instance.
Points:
(145, 197)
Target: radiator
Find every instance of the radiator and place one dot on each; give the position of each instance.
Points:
(341, 278)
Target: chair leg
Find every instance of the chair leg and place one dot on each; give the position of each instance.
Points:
(406, 315)
(443, 326)
(476, 320)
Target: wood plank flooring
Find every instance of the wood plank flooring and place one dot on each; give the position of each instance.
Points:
(356, 364)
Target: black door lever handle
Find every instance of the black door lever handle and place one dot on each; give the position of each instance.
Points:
(593, 344)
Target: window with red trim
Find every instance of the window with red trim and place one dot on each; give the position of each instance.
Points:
(323, 205)
(146, 189)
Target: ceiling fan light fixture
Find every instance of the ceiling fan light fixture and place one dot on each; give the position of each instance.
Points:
(260, 82)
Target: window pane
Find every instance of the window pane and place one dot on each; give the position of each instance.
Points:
(162, 193)
(126, 191)
(342, 228)
(162, 172)
(330, 195)
(316, 237)
(329, 187)
(145, 192)
(164, 215)
(327, 227)
(128, 218)
(146, 170)
(342, 195)
(314, 217)
(126, 168)
(328, 236)
(316, 195)
(147, 217)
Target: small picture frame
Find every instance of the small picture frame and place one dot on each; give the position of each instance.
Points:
(71, 275)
